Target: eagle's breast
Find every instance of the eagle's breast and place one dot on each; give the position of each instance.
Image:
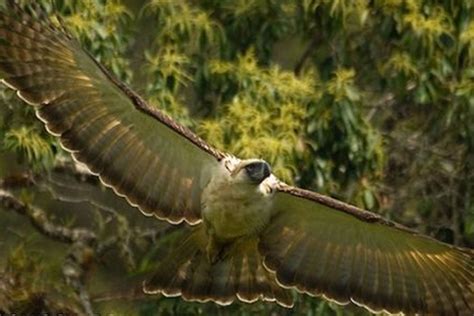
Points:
(233, 208)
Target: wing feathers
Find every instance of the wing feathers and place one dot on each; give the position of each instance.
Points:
(24, 49)
(316, 244)
(135, 149)
(292, 258)
(23, 26)
(396, 292)
(238, 275)
(384, 267)
(342, 272)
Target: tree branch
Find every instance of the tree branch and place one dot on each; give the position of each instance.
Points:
(40, 221)
(83, 243)
(85, 246)
(20, 180)
(313, 44)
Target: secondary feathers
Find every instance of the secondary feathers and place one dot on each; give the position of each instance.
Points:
(311, 243)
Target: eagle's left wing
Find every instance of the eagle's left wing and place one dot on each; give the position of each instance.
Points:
(158, 165)
(325, 247)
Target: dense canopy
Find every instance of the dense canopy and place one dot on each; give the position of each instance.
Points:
(372, 106)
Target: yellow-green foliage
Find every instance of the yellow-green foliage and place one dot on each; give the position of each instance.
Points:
(29, 143)
(25, 280)
(266, 117)
(188, 21)
(400, 63)
(341, 86)
(370, 101)
(100, 26)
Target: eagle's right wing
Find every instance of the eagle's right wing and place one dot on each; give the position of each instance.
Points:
(322, 246)
(158, 165)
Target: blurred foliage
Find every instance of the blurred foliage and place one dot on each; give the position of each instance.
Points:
(25, 290)
(368, 101)
(29, 144)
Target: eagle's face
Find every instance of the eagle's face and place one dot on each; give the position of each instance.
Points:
(252, 171)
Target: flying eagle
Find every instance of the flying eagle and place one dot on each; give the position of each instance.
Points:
(250, 236)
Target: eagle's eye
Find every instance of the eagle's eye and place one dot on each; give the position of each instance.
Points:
(258, 171)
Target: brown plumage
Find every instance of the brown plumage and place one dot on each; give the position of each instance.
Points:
(69, 90)
(239, 274)
(299, 239)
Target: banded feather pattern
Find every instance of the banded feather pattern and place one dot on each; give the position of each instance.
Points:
(324, 251)
(311, 243)
(238, 275)
(135, 149)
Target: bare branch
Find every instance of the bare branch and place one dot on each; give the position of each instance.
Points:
(85, 247)
(40, 221)
(313, 44)
(83, 243)
(20, 180)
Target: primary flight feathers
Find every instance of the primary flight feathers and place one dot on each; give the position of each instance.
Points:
(104, 124)
(309, 242)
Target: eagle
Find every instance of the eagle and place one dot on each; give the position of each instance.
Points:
(248, 236)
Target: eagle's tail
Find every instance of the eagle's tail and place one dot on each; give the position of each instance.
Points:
(184, 270)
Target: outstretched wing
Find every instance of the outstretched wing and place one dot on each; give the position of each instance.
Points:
(325, 247)
(158, 165)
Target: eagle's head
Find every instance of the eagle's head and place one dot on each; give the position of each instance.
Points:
(252, 170)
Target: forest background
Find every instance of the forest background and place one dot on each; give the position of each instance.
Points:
(371, 102)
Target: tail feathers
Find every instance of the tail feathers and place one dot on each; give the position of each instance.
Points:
(239, 275)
